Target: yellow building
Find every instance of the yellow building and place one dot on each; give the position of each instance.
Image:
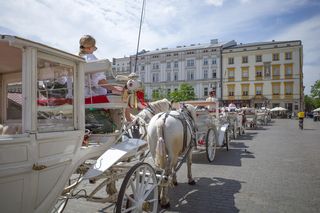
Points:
(263, 74)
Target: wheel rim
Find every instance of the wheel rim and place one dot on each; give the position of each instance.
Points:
(139, 190)
(211, 145)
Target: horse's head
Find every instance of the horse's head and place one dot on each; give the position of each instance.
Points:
(134, 85)
(190, 110)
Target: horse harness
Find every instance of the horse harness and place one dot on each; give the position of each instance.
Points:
(187, 122)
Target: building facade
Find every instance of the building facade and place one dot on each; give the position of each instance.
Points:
(257, 74)
(163, 70)
(264, 74)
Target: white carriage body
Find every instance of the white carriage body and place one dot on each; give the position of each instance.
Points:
(42, 129)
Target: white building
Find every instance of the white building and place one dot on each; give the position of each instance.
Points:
(199, 65)
(264, 74)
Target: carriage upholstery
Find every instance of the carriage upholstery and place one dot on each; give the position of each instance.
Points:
(11, 129)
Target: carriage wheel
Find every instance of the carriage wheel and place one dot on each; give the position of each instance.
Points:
(226, 140)
(139, 190)
(211, 145)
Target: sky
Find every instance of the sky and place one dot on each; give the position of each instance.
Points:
(166, 23)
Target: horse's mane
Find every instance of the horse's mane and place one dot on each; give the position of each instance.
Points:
(160, 104)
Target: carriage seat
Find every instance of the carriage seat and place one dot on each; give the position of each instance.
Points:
(10, 129)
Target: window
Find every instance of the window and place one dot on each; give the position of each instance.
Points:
(205, 74)
(258, 58)
(276, 71)
(231, 90)
(155, 77)
(288, 70)
(190, 63)
(230, 60)
(276, 89)
(205, 61)
(168, 55)
(168, 65)
(175, 54)
(155, 56)
(176, 64)
(288, 88)
(288, 55)
(231, 74)
(205, 91)
(190, 53)
(214, 73)
(14, 101)
(245, 73)
(142, 68)
(258, 89)
(190, 75)
(142, 76)
(275, 56)
(258, 72)
(168, 76)
(55, 94)
(155, 66)
(244, 59)
(214, 61)
(175, 76)
(245, 89)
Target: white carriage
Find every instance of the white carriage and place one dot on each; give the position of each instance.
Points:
(212, 131)
(250, 117)
(235, 119)
(42, 131)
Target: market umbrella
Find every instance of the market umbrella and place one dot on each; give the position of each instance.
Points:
(278, 109)
(317, 110)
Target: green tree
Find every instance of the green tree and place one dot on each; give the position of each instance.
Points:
(309, 103)
(315, 89)
(184, 93)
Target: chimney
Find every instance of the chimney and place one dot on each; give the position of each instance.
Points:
(214, 41)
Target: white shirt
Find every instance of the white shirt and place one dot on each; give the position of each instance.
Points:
(92, 80)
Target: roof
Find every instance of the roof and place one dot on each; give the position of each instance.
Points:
(241, 45)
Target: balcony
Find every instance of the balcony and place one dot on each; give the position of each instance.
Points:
(230, 79)
(288, 76)
(275, 77)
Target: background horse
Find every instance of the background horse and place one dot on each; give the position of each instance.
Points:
(171, 135)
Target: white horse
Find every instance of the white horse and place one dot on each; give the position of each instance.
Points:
(171, 135)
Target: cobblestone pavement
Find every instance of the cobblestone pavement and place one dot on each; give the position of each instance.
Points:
(275, 168)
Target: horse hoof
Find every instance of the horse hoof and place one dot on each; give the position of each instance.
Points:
(165, 206)
(192, 182)
(175, 183)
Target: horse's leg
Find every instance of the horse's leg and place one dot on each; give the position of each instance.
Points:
(164, 200)
(174, 174)
(189, 163)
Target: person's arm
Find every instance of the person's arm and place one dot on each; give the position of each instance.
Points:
(115, 90)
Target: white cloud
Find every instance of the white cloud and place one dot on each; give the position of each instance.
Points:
(215, 2)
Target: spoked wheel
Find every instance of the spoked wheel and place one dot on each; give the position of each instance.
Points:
(211, 145)
(139, 190)
(226, 140)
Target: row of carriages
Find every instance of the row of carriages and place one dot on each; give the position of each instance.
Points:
(218, 125)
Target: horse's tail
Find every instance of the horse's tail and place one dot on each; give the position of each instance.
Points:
(160, 155)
